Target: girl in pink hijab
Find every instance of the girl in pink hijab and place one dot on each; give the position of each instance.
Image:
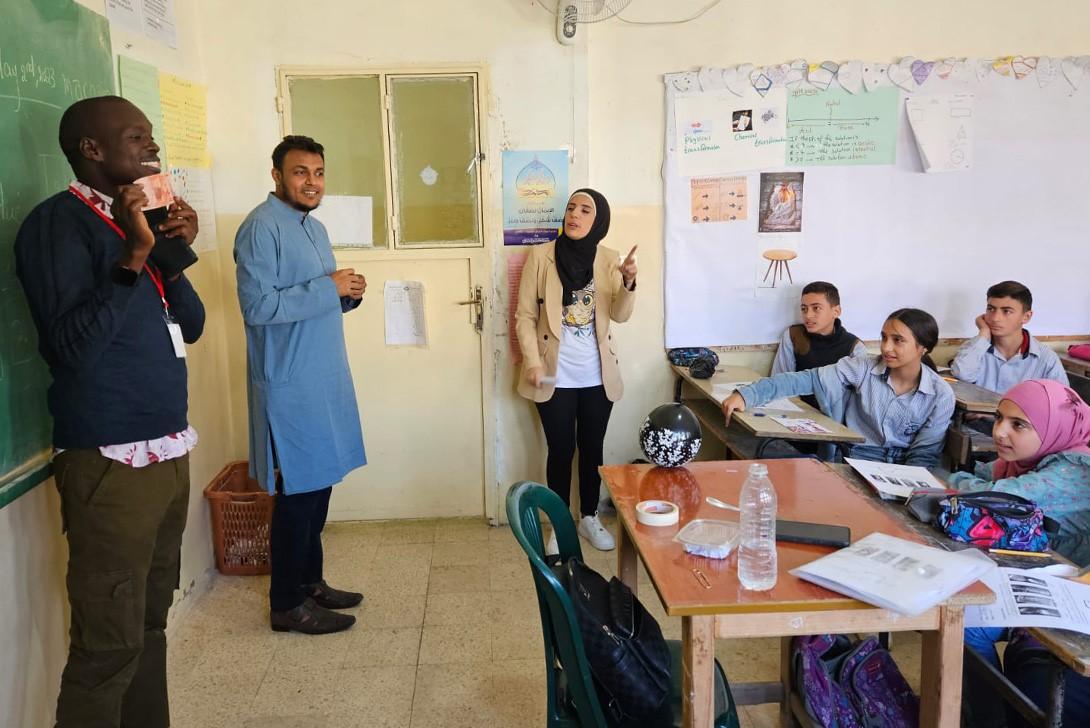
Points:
(1041, 432)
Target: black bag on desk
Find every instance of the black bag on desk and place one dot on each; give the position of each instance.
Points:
(625, 649)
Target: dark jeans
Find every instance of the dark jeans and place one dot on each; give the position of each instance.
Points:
(575, 416)
(124, 528)
(295, 545)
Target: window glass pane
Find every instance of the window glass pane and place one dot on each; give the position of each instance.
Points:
(434, 130)
(345, 116)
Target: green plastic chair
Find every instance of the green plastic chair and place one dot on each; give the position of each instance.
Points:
(572, 701)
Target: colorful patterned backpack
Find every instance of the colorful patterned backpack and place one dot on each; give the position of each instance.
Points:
(852, 686)
(993, 519)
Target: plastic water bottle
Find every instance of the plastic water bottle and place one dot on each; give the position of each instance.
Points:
(757, 564)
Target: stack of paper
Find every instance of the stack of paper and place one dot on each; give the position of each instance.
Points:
(894, 482)
(895, 574)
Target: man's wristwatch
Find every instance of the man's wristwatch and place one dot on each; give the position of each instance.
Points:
(124, 276)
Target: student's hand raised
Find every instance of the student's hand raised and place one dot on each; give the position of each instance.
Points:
(734, 403)
(628, 268)
(982, 327)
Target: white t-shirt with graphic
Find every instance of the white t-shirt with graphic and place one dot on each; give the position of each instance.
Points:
(578, 362)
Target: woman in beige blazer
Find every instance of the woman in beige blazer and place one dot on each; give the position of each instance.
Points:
(570, 291)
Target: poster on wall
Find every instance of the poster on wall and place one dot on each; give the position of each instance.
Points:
(720, 132)
(781, 202)
(779, 270)
(718, 199)
(535, 191)
(942, 126)
(838, 128)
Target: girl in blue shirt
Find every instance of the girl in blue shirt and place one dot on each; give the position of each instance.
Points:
(895, 400)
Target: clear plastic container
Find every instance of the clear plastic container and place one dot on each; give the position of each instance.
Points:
(705, 537)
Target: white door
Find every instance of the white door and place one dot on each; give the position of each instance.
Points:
(420, 406)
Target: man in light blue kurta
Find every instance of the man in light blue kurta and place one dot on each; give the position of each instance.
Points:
(302, 404)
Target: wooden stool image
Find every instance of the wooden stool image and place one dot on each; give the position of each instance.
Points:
(778, 264)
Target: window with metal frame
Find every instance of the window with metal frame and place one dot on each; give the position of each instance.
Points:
(407, 142)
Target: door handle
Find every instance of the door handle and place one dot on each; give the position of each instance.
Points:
(478, 314)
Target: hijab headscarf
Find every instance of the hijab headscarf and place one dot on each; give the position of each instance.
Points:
(1058, 414)
(575, 258)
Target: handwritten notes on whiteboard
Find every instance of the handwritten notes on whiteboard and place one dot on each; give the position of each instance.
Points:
(838, 128)
(185, 129)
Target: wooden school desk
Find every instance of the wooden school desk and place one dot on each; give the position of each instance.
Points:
(706, 594)
(962, 440)
(707, 407)
(1074, 365)
(1070, 649)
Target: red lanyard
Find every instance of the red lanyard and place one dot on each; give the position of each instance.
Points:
(153, 274)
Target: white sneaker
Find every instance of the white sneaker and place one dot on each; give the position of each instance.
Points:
(551, 548)
(592, 530)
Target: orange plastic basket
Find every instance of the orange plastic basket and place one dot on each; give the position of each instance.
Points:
(241, 513)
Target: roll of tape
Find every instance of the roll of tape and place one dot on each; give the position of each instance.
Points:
(657, 513)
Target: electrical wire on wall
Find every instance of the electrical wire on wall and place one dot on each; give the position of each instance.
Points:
(689, 19)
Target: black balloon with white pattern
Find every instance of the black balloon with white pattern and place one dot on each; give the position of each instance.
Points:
(670, 436)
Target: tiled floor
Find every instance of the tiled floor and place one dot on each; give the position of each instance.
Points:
(448, 635)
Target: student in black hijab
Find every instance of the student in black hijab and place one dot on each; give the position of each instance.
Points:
(569, 293)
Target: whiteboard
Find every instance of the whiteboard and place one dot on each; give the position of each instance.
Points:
(892, 236)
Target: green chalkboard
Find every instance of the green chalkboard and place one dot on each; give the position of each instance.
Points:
(52, 53)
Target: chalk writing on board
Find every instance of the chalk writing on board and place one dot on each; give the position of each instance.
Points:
(838, 128)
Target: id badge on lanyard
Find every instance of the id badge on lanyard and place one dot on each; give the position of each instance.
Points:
(174, 329)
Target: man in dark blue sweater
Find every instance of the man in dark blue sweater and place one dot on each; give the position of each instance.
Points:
(113, 331)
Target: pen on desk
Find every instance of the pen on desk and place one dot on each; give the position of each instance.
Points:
(1011, 552)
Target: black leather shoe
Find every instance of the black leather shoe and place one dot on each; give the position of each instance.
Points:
(310, 618)
(326, 596)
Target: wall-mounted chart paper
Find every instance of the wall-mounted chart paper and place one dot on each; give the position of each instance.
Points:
(404, 313)
(943, 129)
(185, 128)
(719, 199)
(194, 185)
(153, 18)
(347, 219)
(140, 85)
(838, 128)
(721, 132)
